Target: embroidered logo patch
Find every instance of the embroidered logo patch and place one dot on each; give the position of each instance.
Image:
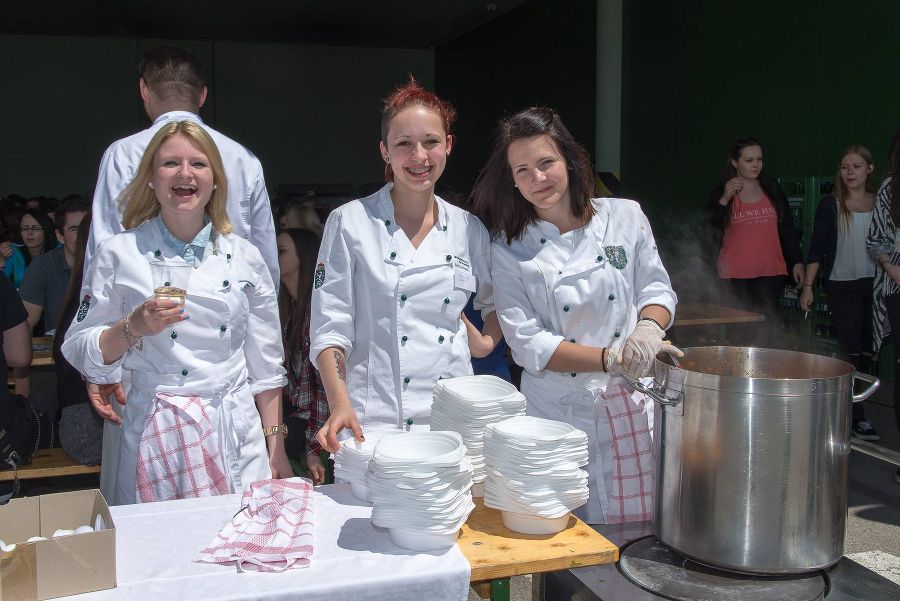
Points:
(319, 277)
(617, 256)
(83, 308)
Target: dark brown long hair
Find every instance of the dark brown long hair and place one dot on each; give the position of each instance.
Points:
(495, 198)
(74, 287)
(306, 245)
(769, 185)
(893, 171)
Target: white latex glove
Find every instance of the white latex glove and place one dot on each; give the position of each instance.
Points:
(637, 355)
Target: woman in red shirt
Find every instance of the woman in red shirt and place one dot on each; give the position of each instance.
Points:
(756, 238)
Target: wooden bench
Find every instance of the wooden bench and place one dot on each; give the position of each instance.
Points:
(50, 463)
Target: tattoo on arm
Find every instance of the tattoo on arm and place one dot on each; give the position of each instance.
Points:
(341, 365)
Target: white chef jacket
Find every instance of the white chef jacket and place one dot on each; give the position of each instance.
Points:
(248, 206)
(586, 286)
(228, 350)
(396, 309)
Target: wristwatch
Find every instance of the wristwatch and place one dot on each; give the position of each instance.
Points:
(279, 429)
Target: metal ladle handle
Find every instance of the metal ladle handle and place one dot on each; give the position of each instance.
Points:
(875, 383)
(657, 391)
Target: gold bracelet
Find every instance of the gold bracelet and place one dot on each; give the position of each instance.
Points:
(130, 339)
(279, 429)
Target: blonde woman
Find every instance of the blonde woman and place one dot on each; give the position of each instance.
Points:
(203, 414)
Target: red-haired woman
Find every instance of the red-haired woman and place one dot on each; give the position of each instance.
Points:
(394, 272)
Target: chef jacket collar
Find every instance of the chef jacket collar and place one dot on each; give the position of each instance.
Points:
(192, 251)
(178, 116)
(385, 210)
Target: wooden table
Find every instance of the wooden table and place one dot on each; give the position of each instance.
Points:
(50, 463)
(709, 314)
(496, 553)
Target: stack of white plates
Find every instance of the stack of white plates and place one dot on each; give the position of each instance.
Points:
(352, 461)
(469, 403)
(534, 473)
(419, 486)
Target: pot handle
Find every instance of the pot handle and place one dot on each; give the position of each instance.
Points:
(875, 383)
(656, 391)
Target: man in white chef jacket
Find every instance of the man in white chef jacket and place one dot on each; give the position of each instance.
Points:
(173, 89)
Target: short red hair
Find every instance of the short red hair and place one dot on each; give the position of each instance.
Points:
(412, 94)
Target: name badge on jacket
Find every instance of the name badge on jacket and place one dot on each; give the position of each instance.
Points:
(462, 275)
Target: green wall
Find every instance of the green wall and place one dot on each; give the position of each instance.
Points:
(542, 53)
(807, 78)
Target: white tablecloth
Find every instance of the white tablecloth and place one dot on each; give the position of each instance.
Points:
(156, 544)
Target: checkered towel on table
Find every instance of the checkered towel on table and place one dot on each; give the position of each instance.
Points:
(272, 532)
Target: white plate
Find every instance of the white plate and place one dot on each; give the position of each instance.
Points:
(422, 541)
(529, 524)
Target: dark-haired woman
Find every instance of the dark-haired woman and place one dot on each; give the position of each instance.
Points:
(882, 246)
(37, 234)
(583, 299)
(394, 272)
(838, 249)
(305, 404)
(754, 232)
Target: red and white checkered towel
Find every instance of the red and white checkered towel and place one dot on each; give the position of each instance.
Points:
(273, 531)
(179, 455)
(631, 497)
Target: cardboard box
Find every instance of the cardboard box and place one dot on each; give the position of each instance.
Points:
(59, 566)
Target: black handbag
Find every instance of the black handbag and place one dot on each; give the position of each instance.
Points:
(23, 430)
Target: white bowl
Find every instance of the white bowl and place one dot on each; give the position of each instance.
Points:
(530, 524)
(478, 388)
(420, 447)
(530, 428)
(422, 541)
(360, 491)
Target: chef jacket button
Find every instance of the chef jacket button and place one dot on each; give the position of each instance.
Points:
(599, 258)
(440, 339)
(573, 374)
(183, 372)
(402, 297)
(617, 334)
(156, 253)
(393, 255)
(173, 335)
(446, 301)
(167, 284)
(566, 308)
(560, 272)
(543, 241)
(224, 283)
(444, 228)
(228, 256)
(448, 257)
(387, 222)
(611, 296)
(572, 340)
(223, 327)
(403, 339)
(406, 380)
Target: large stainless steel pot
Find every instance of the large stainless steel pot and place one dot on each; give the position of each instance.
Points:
(750, 448)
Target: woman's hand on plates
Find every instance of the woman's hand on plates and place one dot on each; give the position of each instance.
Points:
(155, 315)
(341, 417)
(316, 468)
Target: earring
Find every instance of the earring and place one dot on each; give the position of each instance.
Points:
(215, 186)
(387, 160)
(150, 184)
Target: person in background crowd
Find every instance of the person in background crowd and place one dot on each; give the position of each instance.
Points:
(881, 243)
(15, 336)
(583, 299)
(837, 250)
(393, 275)
(12, 261)
(36, 230)
(213, 360)
(80, 427)
(303, 398)
(301, 214)
(173, 89)
(754, 233)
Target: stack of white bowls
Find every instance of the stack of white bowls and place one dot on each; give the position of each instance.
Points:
(351, 462)
(469, 403)
(534, 473)
(419, 487)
